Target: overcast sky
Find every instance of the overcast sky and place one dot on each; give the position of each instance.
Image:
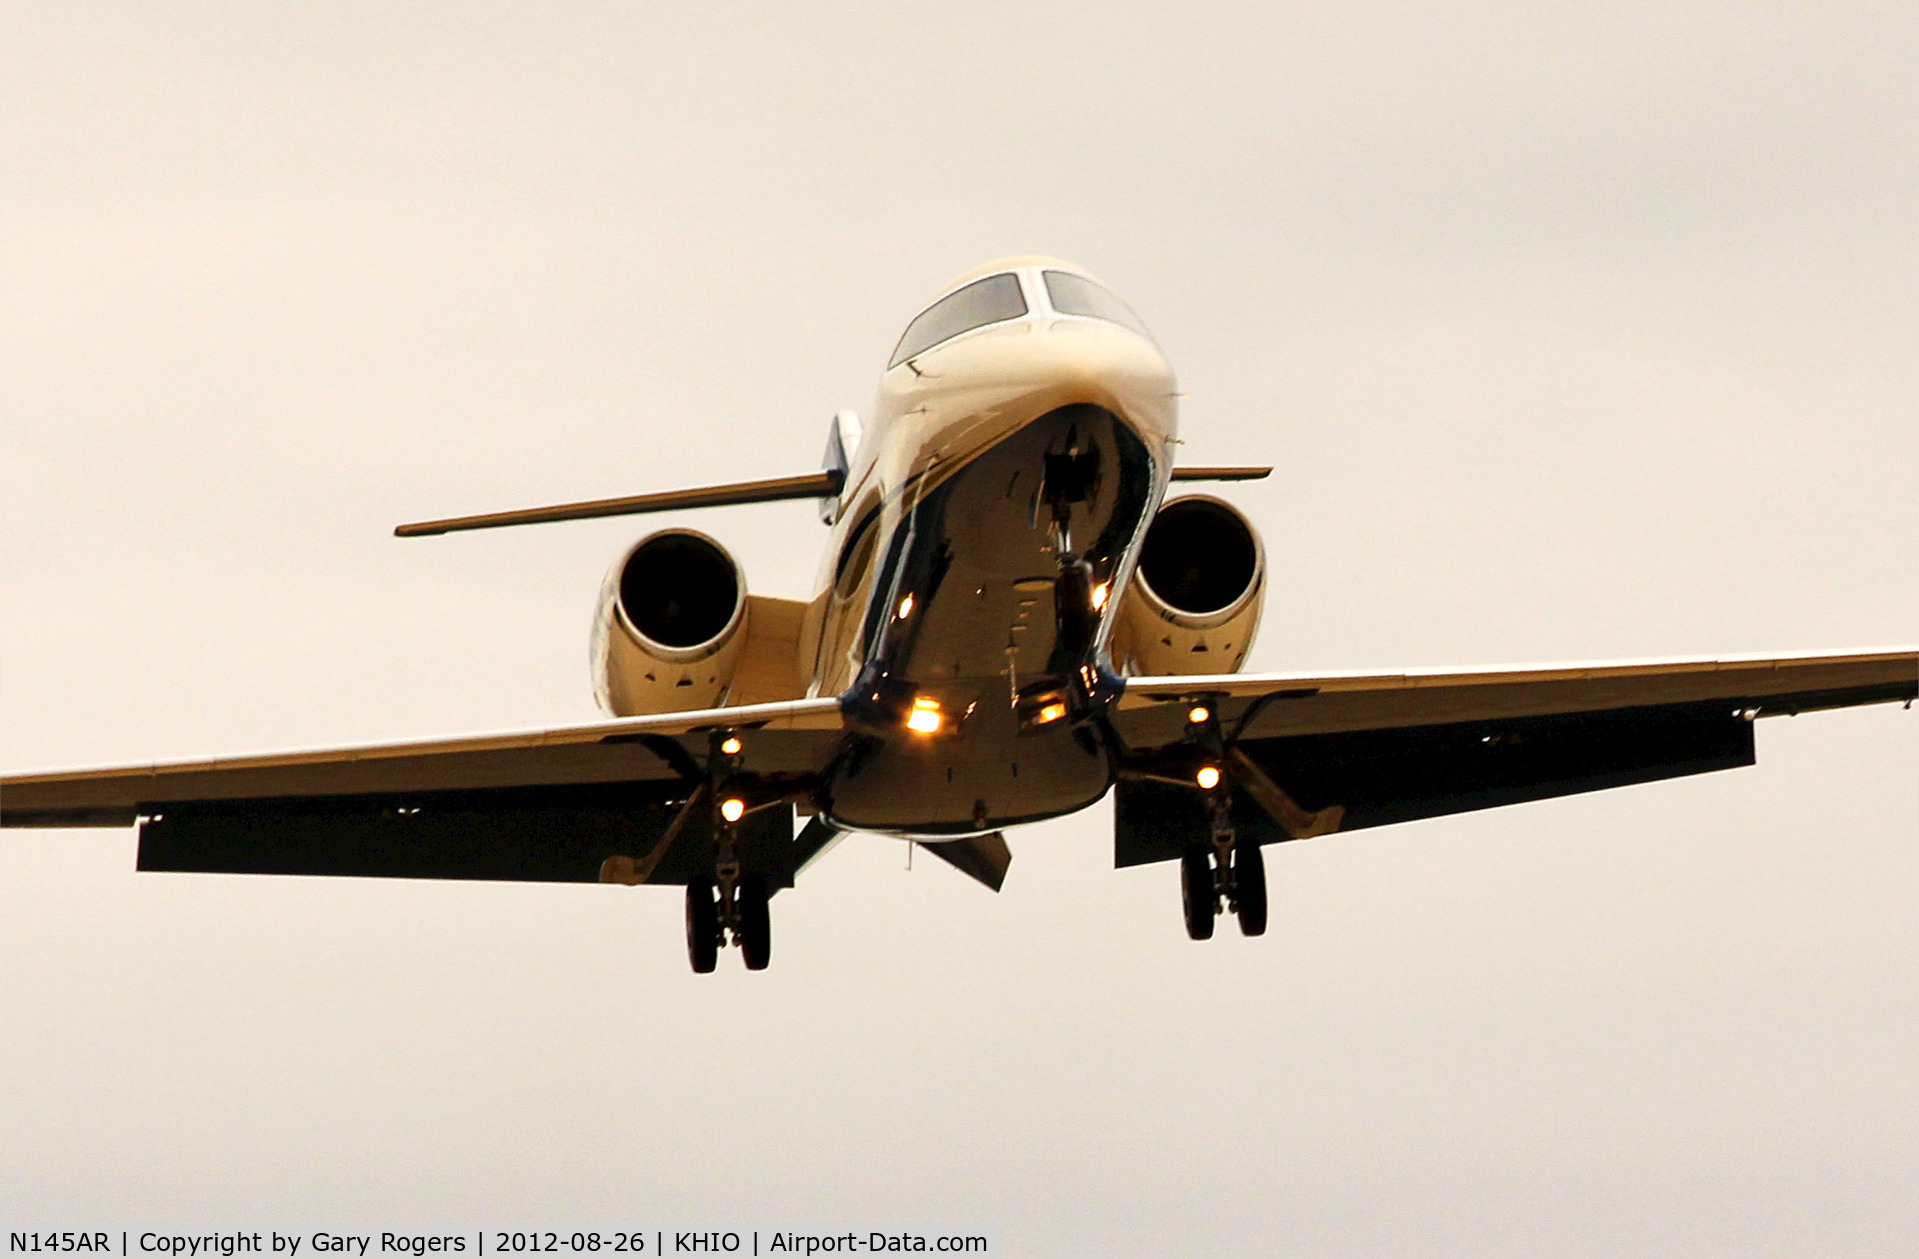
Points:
(1575, 331)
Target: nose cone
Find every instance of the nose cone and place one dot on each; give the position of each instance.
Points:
(971, 392)
(1039, 354)
(1092, 352)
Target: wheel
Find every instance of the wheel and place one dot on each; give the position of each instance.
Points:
(756, 925)
(702, 926)
(1249, 888)
(1196, 892)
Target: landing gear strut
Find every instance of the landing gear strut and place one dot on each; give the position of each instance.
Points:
(1072, 476)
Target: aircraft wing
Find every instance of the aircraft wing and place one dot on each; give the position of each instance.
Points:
(1311, 754)
(594, 802)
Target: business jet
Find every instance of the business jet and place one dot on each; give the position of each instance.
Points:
(1013, 620)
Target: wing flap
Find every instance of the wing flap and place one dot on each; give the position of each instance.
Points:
(608, 833)
(1301, 786)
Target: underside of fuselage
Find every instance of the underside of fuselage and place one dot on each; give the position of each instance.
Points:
(987, 611)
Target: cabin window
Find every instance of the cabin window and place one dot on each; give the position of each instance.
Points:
(1076, 295)
(995, 299)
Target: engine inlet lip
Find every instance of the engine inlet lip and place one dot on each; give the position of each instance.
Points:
(682, 653)
(1205, 618)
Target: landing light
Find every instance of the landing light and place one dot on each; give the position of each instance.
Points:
(733, 809)
(1099, 596)
(925, 716)
(906, 607)
(1049, 713)
(731, 747)
(1208, 777)
(1197, 713)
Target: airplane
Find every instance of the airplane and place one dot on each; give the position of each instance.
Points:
(1013, 619)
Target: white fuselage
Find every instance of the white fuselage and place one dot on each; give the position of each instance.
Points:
(994, 462)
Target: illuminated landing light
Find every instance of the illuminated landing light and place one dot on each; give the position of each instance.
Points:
(925, 717)
(906, 607)
(1198, 713)
(1049, 713)
(1099, 596)
(1208, 777)
(731, 747)
(733, 809)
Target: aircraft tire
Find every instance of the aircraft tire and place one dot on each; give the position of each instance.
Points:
(756, 924)
(1196, 892)
(702, 926)
(1249, 888)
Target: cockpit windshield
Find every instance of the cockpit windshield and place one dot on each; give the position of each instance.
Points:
(1076, 295)
(993, 300)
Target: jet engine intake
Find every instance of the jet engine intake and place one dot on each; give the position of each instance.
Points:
(671, 625)
(1193, 604)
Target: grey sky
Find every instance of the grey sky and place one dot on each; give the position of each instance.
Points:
(1575, 333)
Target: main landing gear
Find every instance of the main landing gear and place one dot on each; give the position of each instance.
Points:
(1229, 874)
(730, 905)
(713, 916)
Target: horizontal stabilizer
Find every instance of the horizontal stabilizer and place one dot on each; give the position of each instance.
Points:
(982, 857)
(809, 485)
(1221, 472)
(778, 489)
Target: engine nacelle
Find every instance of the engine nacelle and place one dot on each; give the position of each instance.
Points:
(671, 625)
(1194, 602)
